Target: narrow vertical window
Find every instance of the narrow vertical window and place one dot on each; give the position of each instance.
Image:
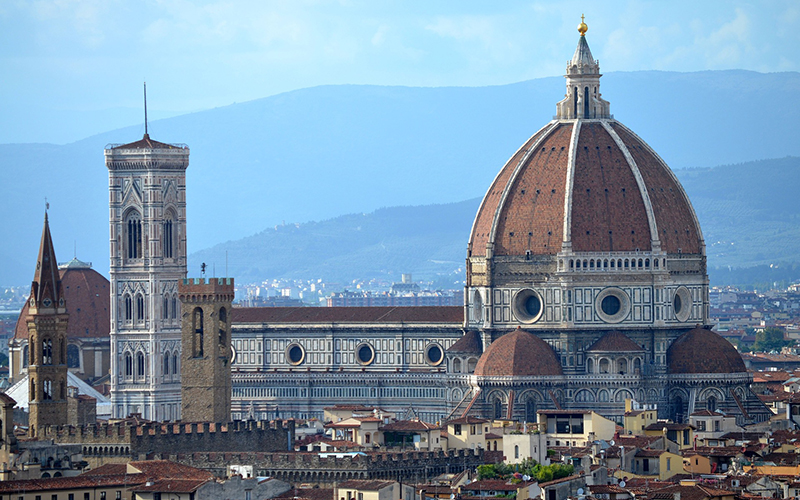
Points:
(128, 308)
(140, 368)
(168, 232)
(134, 236)
(128, 365)
(139, 308)
(223, 327)
(197, 321)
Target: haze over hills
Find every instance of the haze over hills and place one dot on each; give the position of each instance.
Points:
(317, 153)
(748, 213)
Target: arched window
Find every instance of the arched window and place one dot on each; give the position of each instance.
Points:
(471, 363)
(602, 396)
(139, 308)
(530, 410)
(168, 237)
(622, 364)
(197, 326)
(590, 365)
(637, 366)
(223, 327)
(47, 352)
(498, 408)
(73, 356)
(603, 365)
(128, 308)
(133, 237)
(140, 369)
(516, 451)
(586, 102)
(25, 356)
(456, 365)
(47, 388)
(128, 365)
(165, 310)
(174, 309)
(175, 367)
(166, 364)
(711, 403)
(33, 390)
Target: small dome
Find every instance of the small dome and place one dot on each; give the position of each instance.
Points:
(615, 342)
(703, 351)
(88, 301)
(519, 354)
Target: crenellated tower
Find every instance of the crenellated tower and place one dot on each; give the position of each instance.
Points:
(147, 218)
(206, 347)
(47, 333)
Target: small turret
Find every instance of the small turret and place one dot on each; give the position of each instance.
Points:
(583, 84)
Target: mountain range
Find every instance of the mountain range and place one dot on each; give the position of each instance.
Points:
(319, 153)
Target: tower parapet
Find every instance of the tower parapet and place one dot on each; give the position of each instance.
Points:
(206, 348)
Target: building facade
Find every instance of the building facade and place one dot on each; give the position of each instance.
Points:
(147, 219)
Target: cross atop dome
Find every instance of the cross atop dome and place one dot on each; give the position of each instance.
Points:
(583, 84)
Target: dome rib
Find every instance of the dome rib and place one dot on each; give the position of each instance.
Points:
(569, 185)
(482, 225)
(648, 205)
(521, 165)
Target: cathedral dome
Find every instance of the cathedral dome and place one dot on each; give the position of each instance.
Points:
(518, 354)
(588, 186)
(702, 351)
(87, 299)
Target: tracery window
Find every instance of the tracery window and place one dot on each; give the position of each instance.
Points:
(168, 238)
(133, 236)
(47, 352)
(140, 365)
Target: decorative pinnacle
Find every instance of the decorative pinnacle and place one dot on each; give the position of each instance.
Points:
(582, 28)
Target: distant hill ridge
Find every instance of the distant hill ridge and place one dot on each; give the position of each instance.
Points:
(317, 153)
(748, 213)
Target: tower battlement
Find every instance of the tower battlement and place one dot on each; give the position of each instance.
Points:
(206, 290)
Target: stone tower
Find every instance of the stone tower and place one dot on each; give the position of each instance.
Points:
(206, 349)
(47, 334)
(147, 218)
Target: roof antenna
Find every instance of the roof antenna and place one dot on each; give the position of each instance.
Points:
(145, 109)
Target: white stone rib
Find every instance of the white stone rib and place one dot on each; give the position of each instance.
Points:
(566, 244)
(551, 126)
(483, 201)
(655, 243)
(677, 183)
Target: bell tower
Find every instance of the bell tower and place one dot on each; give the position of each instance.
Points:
(47, 336)
(206, 348)
(147, 228)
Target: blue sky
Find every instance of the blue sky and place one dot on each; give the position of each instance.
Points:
(72, 68)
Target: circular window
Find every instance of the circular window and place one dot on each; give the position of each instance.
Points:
(612, 305)
(528, 306)
(233, 354)
(46, 302)
(434, 354)
(365, 354)
(682, 304)
(295, 354)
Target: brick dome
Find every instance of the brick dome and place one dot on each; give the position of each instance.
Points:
(519, 354)
(702, 351)
(87, 299)
(592, 186)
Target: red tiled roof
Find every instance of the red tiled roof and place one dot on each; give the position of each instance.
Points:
(466, 420)
(147, 143)
(518, 353)
(172, 485)
(615, 342)
(308, 494)
(702, 351)
(496, 485)
(419, 314)
(365, 484)
(408, 425)
(470, 342)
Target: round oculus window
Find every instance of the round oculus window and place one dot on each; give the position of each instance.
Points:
(295, 354)
(682, 304)
(434, 354)
(365, 354)
(612, 305)
(528, 306)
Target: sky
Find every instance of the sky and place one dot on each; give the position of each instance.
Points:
(73, 68)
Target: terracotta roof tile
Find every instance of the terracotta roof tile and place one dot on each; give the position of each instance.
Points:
(420, 314)
(470, 342)
(615, 342)
(702, 351)
(518, 353)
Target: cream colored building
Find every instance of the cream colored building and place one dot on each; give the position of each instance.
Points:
(574, 427)
(467, 433)
(373, 490)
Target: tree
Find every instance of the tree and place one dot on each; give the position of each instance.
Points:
(770, 339)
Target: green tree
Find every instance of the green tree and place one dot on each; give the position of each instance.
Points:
(770, 339)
